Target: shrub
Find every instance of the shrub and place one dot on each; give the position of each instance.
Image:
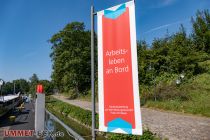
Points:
(169, 92)
(147, 135)
(84, 116)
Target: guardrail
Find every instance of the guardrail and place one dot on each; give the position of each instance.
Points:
(70, 131)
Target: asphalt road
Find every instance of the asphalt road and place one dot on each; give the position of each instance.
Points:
(23, 121)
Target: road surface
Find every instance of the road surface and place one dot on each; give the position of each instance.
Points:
(165, 124)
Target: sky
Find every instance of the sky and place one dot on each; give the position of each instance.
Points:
(27, 25)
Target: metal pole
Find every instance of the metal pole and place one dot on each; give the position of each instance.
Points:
(1, 84)
(2, 96)
(92, 74)
(14, 88)
(1, 93)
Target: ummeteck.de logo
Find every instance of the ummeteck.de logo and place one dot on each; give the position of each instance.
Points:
(30, 133)
(17, 133)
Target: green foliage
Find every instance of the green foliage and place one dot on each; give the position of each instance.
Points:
(147, 135)
(71, 58)
(72, 94)
(198, 92)
(87, 96)
(24, 87)
(34, 80)
(176, 53)
(21, 85)
(48, 86)
(201, 31)
(166, 92)
(205, 65)
(161, 64)
(84, 117)
(7, 88)
(164, 88)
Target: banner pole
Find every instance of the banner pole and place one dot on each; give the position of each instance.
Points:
(92, 74)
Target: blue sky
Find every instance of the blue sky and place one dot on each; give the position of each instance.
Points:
(27, 25)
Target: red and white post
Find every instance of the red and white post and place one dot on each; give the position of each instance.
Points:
(39, 109)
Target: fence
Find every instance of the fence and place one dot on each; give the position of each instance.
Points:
(50, 127)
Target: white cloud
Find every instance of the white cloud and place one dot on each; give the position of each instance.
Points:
(161, 3)
(167, 2)
(161, 27)
(165, 26)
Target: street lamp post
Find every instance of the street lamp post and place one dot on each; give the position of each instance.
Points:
(1, 84)
(14, 88)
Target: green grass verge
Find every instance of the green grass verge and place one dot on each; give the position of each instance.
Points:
(198, 89)
(84, 116)
(78, 113)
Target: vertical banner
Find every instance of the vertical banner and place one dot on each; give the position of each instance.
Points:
(119, 104)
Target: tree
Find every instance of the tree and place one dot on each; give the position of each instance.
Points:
(173, 54)
(201, 31)
(7, 88)
(71, 58)
(21, 85)
(34, 80)
(145, 57)
(47, 85)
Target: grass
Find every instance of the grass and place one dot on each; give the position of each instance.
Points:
(69, 110)
(198, 89)
(62, 110)
(147, 135)
(86, 97)
(80, 129)
(205, 65)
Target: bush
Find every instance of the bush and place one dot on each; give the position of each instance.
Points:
(71, 94)
(205, 66)
(169, 92)
(84, 116)
(145, 94)
(147, 135)
(164, 88)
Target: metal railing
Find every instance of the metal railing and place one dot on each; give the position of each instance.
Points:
(70, 131)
